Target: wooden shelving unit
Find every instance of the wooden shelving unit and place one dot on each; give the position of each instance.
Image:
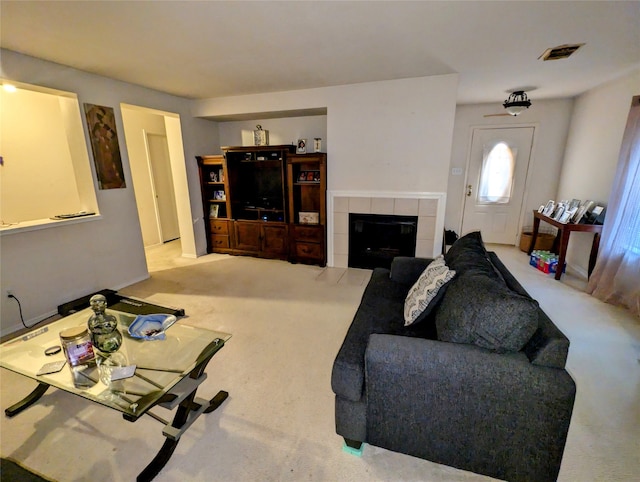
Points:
(307, 181)
(264, 205)
(216, 204)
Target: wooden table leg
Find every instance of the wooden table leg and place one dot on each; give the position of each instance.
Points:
(594, 253)
(534, 236)
(564, 242)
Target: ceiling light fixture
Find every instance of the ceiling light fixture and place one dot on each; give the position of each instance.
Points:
(517, 102)
(9, 87)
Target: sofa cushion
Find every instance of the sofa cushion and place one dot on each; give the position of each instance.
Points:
(380, 311)
(427, 291)
(482, 311)
(548, 346)
(468, 255)
(406, 269)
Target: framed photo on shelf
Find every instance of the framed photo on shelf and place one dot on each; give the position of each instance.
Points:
(308, 217)
(584, 212)
(559, 211)
(302, 146)
(548, 209)
(214, 210)
(597, 215)
(577, 216)
(213, 176)
(566, 216)
(309, 176)
(219, 196)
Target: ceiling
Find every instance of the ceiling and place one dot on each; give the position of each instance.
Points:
(211, 49)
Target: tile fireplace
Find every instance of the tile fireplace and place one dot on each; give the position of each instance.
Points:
(428, 207)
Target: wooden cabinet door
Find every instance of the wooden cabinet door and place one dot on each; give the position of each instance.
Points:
(247, 236)
(274, 241)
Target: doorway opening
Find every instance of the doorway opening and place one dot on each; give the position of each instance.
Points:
(162, 187)
(159, 178)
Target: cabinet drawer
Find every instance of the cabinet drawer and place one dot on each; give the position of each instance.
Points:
(308, 233)
(219, 241)
(219, 227)
(308, 250)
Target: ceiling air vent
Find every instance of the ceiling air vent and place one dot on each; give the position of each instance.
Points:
(560, 52)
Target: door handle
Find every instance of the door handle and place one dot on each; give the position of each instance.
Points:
(469, 188)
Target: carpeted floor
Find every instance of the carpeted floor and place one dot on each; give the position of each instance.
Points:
(12, 471)
(288, 322)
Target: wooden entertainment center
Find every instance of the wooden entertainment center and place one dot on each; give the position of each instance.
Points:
(265, 201)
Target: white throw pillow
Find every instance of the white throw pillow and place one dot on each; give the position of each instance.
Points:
(425, 289)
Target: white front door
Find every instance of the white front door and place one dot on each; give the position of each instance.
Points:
(498, 165)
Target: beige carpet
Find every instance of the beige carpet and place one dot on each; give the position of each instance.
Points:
(287, 323)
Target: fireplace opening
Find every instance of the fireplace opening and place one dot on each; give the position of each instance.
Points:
(375, 239)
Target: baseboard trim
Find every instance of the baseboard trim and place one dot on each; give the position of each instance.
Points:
(577, 271)
(32, 323)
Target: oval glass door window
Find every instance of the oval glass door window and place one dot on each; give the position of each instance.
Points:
(496, 178)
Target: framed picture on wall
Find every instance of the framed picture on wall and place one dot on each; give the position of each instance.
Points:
(101, 123)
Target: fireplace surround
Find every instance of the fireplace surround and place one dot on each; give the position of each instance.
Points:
(429, 207)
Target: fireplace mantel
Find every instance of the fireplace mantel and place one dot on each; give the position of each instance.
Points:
(428, 206)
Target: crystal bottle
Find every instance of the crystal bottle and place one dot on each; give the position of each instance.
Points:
(103, 327)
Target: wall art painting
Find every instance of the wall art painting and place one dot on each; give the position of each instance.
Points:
(101, 123)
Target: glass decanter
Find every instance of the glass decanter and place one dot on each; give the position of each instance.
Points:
(103, 327)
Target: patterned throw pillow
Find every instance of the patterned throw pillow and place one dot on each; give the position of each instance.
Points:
(423, 295)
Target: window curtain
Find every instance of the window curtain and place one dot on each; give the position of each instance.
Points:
(616, 277)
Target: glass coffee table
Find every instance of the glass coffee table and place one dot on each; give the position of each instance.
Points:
(168, 373)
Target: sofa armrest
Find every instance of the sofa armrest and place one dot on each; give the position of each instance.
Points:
(406, 270)
(467, 407)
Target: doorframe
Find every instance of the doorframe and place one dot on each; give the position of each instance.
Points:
(178, 164)
(154, 190)
(154, 193)
(527, 181)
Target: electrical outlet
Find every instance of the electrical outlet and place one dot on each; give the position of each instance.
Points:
(9, 292)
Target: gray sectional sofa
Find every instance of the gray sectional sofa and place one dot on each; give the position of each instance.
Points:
(479, 383)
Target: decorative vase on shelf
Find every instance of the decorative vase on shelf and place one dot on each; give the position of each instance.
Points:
(103, 327)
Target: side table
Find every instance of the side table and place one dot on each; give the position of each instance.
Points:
(562, 239)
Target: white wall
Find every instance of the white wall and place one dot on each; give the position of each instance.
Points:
(136, 123)
(285, 130)
(551, 119)
(48, 267)
(388, 136)
(593, 146)
(37, 179)
(391, 136)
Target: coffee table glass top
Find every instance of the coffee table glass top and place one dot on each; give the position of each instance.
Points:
(161, 364)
